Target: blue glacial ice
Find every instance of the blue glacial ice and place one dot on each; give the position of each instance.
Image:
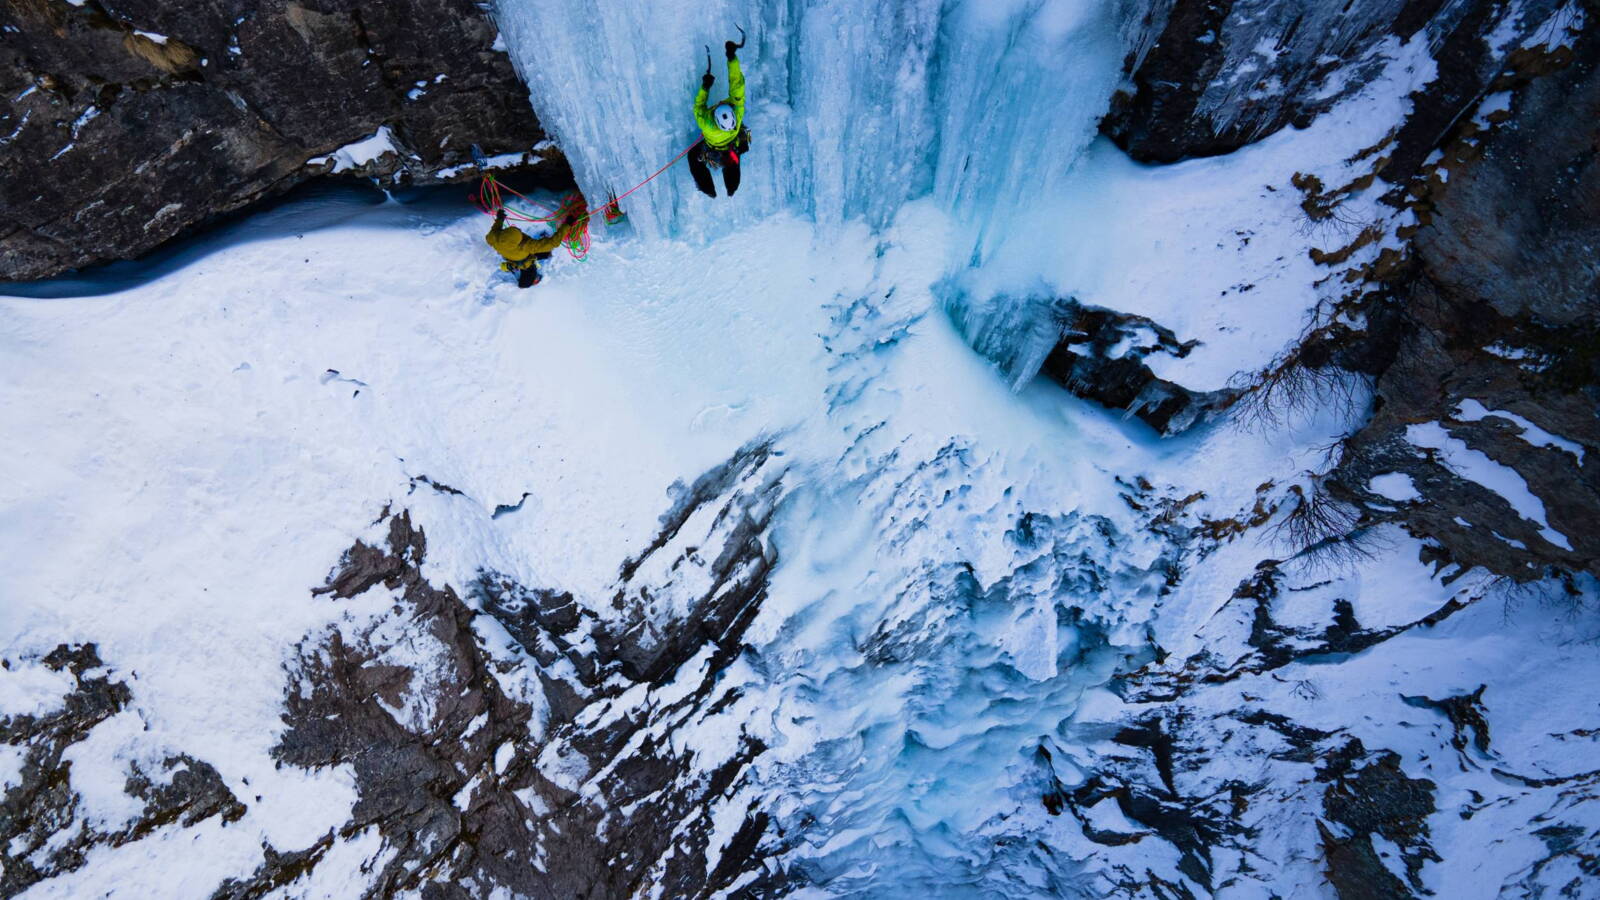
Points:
(855, 107)
(919, 681)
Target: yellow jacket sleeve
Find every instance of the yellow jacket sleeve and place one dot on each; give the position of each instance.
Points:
(515, 246)
(716, 137)
(702, 113)
(736, 89)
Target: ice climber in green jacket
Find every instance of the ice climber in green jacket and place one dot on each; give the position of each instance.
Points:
(722, 129)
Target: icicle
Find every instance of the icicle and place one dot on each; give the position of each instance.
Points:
(855, 107)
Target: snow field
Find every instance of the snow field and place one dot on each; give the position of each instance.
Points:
(192, 455)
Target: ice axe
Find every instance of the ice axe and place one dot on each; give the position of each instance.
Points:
(739, 46)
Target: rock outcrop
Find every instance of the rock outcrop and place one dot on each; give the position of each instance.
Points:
(45, 829)
(1210, 76)
(1499, 355)
(1098, 354)
(513, 740)
(508, 740)
(1252, 739)
(1475, 324)
(1102, 357)
(124, 124)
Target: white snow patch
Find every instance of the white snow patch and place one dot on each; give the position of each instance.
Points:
(463, 797)
(1472, 411)
(100, 770)
(11, 760)
(1505, 351)
(1476, 466)
(22, 123)
(532, 799)
(32, 689)
(498, 161)
(1107, 815)
(727, 814)
(1494, 103)
(1396, 486)
(1505, 30)
(360, 153)
(1559, 29)
(1511, 541)
(346, 870)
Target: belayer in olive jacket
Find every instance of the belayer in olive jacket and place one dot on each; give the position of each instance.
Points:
(522, 253)
(722, 131)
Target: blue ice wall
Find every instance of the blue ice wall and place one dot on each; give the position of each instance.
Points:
(856, 106)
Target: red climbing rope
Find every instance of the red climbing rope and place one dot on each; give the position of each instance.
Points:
(657, 172)
(490, 202)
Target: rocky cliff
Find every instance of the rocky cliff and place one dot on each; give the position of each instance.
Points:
(1474, 325)
(1211, 76)
(125, 123)
(1499, 313)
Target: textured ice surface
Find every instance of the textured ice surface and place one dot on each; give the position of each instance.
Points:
(854, 107)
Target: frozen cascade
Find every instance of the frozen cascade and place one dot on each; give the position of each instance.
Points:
(922, 685)
(854, 107)
(913, 705)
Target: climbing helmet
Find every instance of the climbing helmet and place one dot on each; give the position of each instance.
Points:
(724, 116)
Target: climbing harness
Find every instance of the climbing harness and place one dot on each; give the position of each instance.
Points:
(491, 201)
(614, 213)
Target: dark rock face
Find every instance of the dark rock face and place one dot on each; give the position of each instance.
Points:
(1101, 357)
(1214, 75)
(43, 831)
(1477, 328)
(509, 740)
(507, 746)
(123, 124)
(1374, 798)
(1098, 354)
(1501, 310)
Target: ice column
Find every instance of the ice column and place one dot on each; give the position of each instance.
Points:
(855, 106)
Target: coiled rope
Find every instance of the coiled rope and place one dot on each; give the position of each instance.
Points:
(490, 200)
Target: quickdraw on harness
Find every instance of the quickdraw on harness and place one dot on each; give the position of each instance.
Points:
(490, 200)
(614, 213)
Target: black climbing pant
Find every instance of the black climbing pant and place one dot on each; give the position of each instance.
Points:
(704, 159)
(527, 269)
(701, 173)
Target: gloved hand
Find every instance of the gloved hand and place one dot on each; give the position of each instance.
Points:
(731, 49)
(707, 80)
(500, 216)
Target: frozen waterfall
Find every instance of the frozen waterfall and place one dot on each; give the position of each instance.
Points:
(855, 106)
